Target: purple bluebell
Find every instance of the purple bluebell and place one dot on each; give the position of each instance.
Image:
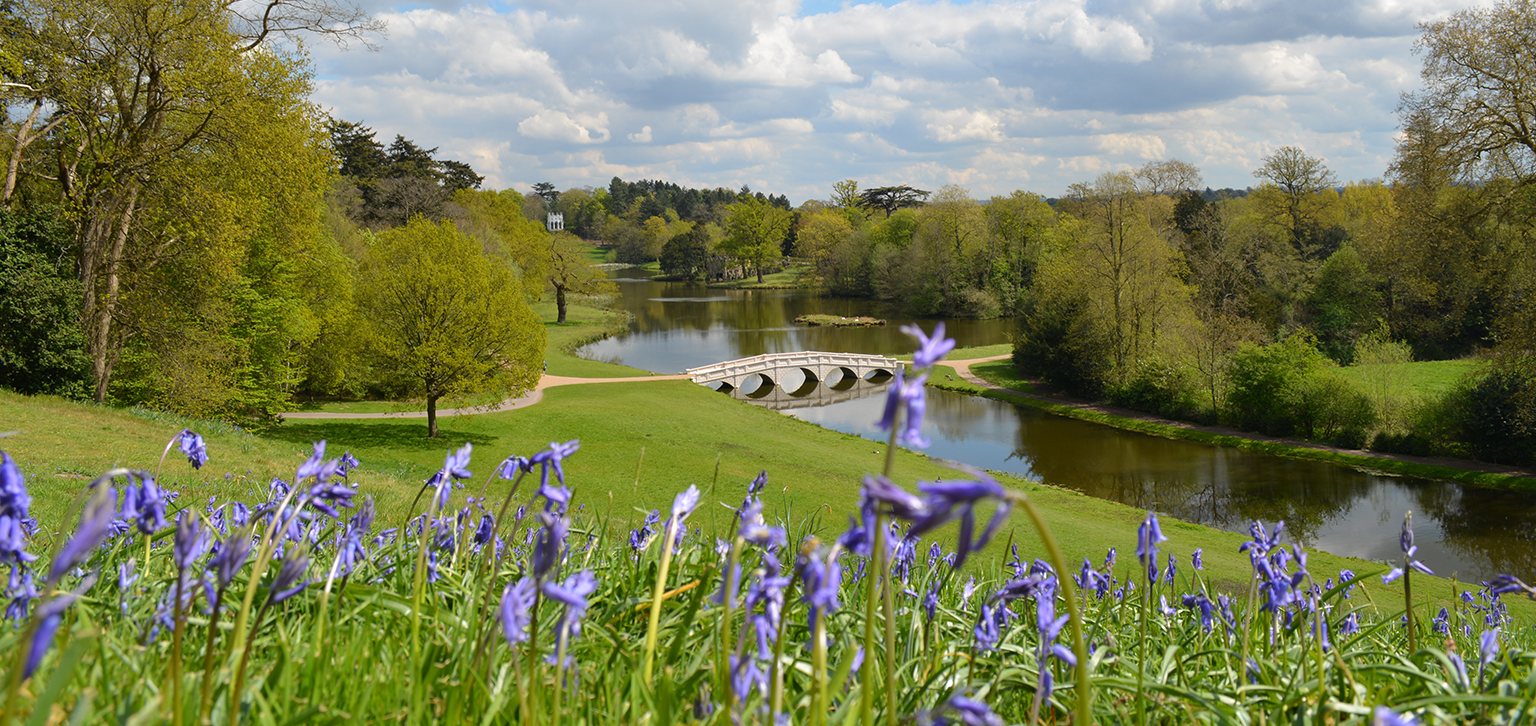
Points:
(95, 523)
(15, 517)
(1148, 536)
(1441, 623)
(552, 532)
(290, 576)
(746, 677)
(1347, 581)
(551, 459)
(1262, 542)
(516, 611)
(960, 710)
(1459, 670)
(455, 468)
(233, 552)
(930, 349)
(1048, 625)
(683, 504)
(1409, 550)
(316, 466)
(1172, 568)
(821, 576)
(755, 531)
(347, 464)
(193, 447)
(572, 593)
(50, 615)
(1384, 716)
(908, 396)
(987, 634)
(1197, 560)
(887, 497)
(1506, 584)
(190, 542)
(484, 530)
(1488, 647)
(948, 500)
(1202, 604)
(931, 601)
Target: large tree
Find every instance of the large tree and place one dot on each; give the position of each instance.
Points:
(446, 320)
(1294, 182)
(571, 274)
(754, 232)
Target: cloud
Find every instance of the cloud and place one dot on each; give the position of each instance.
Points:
(789, 96)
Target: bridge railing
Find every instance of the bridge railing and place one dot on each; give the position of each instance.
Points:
(770, 361)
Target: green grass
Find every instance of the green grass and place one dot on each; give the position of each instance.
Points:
(684, 429)
(1000, 373)
(359, 406)
(980, 351)
(582, 325)
(1424, 379)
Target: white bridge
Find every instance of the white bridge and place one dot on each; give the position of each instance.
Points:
(853, 369)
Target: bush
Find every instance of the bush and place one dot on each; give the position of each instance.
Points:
(1495, 414)
(1058, 343)
(1412, 444)
(1325, 407)
(979, 304)
(42, 346)
(1159, 388)
(1263, 381)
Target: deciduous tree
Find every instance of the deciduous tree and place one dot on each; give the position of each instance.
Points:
(446, 320)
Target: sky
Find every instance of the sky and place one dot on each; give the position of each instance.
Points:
(789, 97)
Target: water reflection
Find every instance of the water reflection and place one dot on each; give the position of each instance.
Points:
(1474, 533)
(683, 325)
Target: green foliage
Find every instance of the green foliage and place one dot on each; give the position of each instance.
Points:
(1494, 414)
(1266, 384)
(42, 347)
(1344, 304)
(1157, 387)
(754, 232)
(1058, 343)
(687, 255)
(443, 319)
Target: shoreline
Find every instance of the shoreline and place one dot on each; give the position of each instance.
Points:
(1463, 471)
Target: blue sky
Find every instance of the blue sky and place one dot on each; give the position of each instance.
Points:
(789, 97)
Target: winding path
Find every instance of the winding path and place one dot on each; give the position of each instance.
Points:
(524, 401)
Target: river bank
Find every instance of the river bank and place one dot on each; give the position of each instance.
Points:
(994, 377)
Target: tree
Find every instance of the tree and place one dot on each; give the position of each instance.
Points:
(687, 255)
(1299, 179)
(1479, 96)
(1168, 177)
(446, 320)
(547, 191)
(754, 231)
(820, 234)
(893, 198)
(42, 348)
(570, 273)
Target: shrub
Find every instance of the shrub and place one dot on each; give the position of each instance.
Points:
(1263, 380)
(1326, 407)
(1157, 387)
(1412, 444)
(981, 304)
(1495, 414)
(1060, 344)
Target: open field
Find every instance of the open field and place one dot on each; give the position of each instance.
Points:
(1421, 378)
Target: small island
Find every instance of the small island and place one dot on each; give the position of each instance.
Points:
(838, 321)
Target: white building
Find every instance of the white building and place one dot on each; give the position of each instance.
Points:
(556, 222)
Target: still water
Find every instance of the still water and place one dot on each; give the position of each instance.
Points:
(1474, 533)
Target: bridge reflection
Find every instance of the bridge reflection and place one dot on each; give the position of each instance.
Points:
(806, 392)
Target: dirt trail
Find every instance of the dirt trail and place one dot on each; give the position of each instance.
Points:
(524, 401)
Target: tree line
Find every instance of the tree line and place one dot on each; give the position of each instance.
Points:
(182, 229)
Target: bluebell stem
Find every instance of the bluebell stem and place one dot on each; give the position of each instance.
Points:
(516, 612)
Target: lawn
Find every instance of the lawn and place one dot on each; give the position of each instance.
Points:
(791, 277)
(1423, 378)
(684, 429)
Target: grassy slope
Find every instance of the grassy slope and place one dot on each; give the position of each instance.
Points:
(684, 428)
(1424, 378)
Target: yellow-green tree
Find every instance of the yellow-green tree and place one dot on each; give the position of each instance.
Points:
(754, 232)
(446, 320)
(570, 273)
(819, 237)
(496, 219)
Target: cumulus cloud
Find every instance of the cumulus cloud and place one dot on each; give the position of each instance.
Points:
(789, 96)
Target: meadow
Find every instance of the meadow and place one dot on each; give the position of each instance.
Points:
(541, 588)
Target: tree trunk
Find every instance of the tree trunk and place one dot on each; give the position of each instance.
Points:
(759, 273)
(559, 304)
(431, 417)
(101, 336)
(21, 145)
